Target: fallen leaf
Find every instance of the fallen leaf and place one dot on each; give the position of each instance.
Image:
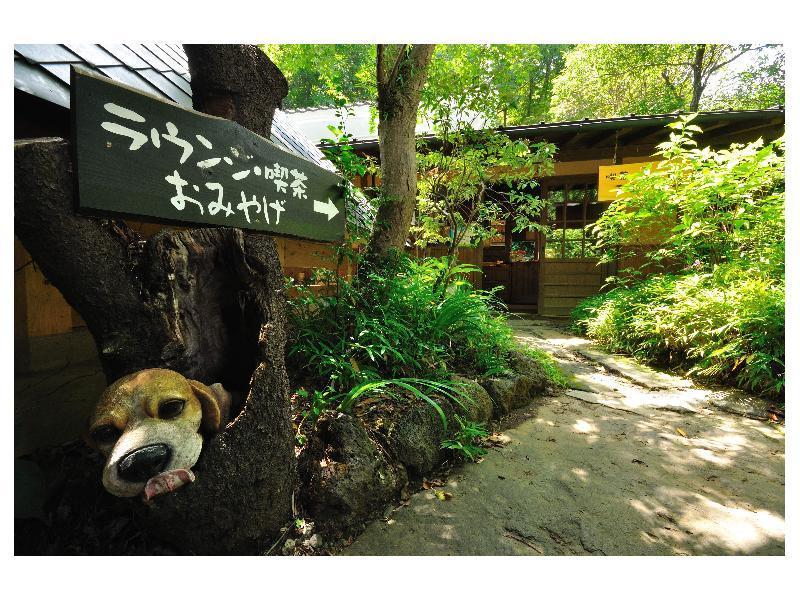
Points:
(498, 439)
(448, 496)
(681, 432)
(426, 485)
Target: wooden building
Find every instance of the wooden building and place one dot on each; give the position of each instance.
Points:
(550, 276)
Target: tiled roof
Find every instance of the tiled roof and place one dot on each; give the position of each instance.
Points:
(158, 69)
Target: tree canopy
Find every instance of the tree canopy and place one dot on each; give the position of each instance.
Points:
(604, 80)
(512, 84)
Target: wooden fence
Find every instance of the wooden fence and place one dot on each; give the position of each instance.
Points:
(563, 283)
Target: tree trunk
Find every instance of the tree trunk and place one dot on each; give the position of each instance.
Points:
(697, 77)
(206, 302)
(398, 102)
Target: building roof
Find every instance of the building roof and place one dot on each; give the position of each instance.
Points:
(162, 70)
(591, 138)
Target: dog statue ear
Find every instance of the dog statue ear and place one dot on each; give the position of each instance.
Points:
(215, 402)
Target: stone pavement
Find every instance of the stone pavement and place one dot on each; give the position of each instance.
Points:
(627, 461)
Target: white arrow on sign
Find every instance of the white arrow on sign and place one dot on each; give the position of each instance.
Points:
(328, 208)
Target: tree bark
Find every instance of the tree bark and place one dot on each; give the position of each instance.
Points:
(206, 302)
(697, 77)
(398, 101)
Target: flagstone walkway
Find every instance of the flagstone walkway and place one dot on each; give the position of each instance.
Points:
(627, 461)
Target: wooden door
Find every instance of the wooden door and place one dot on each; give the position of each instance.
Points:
(524, 282)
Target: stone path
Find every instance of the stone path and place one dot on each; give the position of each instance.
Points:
(628, 461)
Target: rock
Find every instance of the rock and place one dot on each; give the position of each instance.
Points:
(518, 387)
(347, 477)
(524, 364)
(480, 410)
(415, 438)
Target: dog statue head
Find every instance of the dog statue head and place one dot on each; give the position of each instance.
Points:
(149, 426)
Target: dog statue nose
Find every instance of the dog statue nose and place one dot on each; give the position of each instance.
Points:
(141, 464)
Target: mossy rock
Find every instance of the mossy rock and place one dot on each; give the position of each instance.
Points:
(518, 387)
(347, 477)
(480, 409)
(525, 364)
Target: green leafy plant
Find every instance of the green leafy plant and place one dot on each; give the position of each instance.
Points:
(717, 308)
(402, 331)
(423, 389)
(473, 179)
(466, 439)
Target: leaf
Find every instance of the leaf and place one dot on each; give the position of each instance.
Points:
(681, 432)
(440, 495)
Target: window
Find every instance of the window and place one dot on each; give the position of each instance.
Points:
(572, 208)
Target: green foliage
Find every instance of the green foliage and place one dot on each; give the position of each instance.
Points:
(422, 389)
(321, 74)
(475, 178)
(720, 218)
(726, 325)
(406, 326)
(497, 84)
(705, 207)
(511, 84)
(349, 164)
(466, 439)
(606, 80)
(501, 84)
(761, 84)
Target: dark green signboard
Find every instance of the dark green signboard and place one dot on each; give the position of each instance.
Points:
(142, 156)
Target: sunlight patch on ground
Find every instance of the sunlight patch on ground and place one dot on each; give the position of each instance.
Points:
(582, 426)
(688, 518)
(736, 529)
(448, 532)
(571, 342)
(580, 473)
(710, 456)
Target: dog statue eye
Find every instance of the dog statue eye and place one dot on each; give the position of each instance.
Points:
(170, 409)
(105, 434)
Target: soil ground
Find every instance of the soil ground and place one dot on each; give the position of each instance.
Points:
(626, 461)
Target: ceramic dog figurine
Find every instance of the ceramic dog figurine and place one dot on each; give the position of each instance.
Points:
(149, 426)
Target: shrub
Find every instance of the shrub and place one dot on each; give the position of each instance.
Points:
(720, 216)
(404, 328)
(726, 325)
(465, 441)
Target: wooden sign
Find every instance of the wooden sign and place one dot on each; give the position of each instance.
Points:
(138, 155)
(612, 176)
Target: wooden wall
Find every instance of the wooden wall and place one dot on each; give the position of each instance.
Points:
(565, 282)
(40, 309)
